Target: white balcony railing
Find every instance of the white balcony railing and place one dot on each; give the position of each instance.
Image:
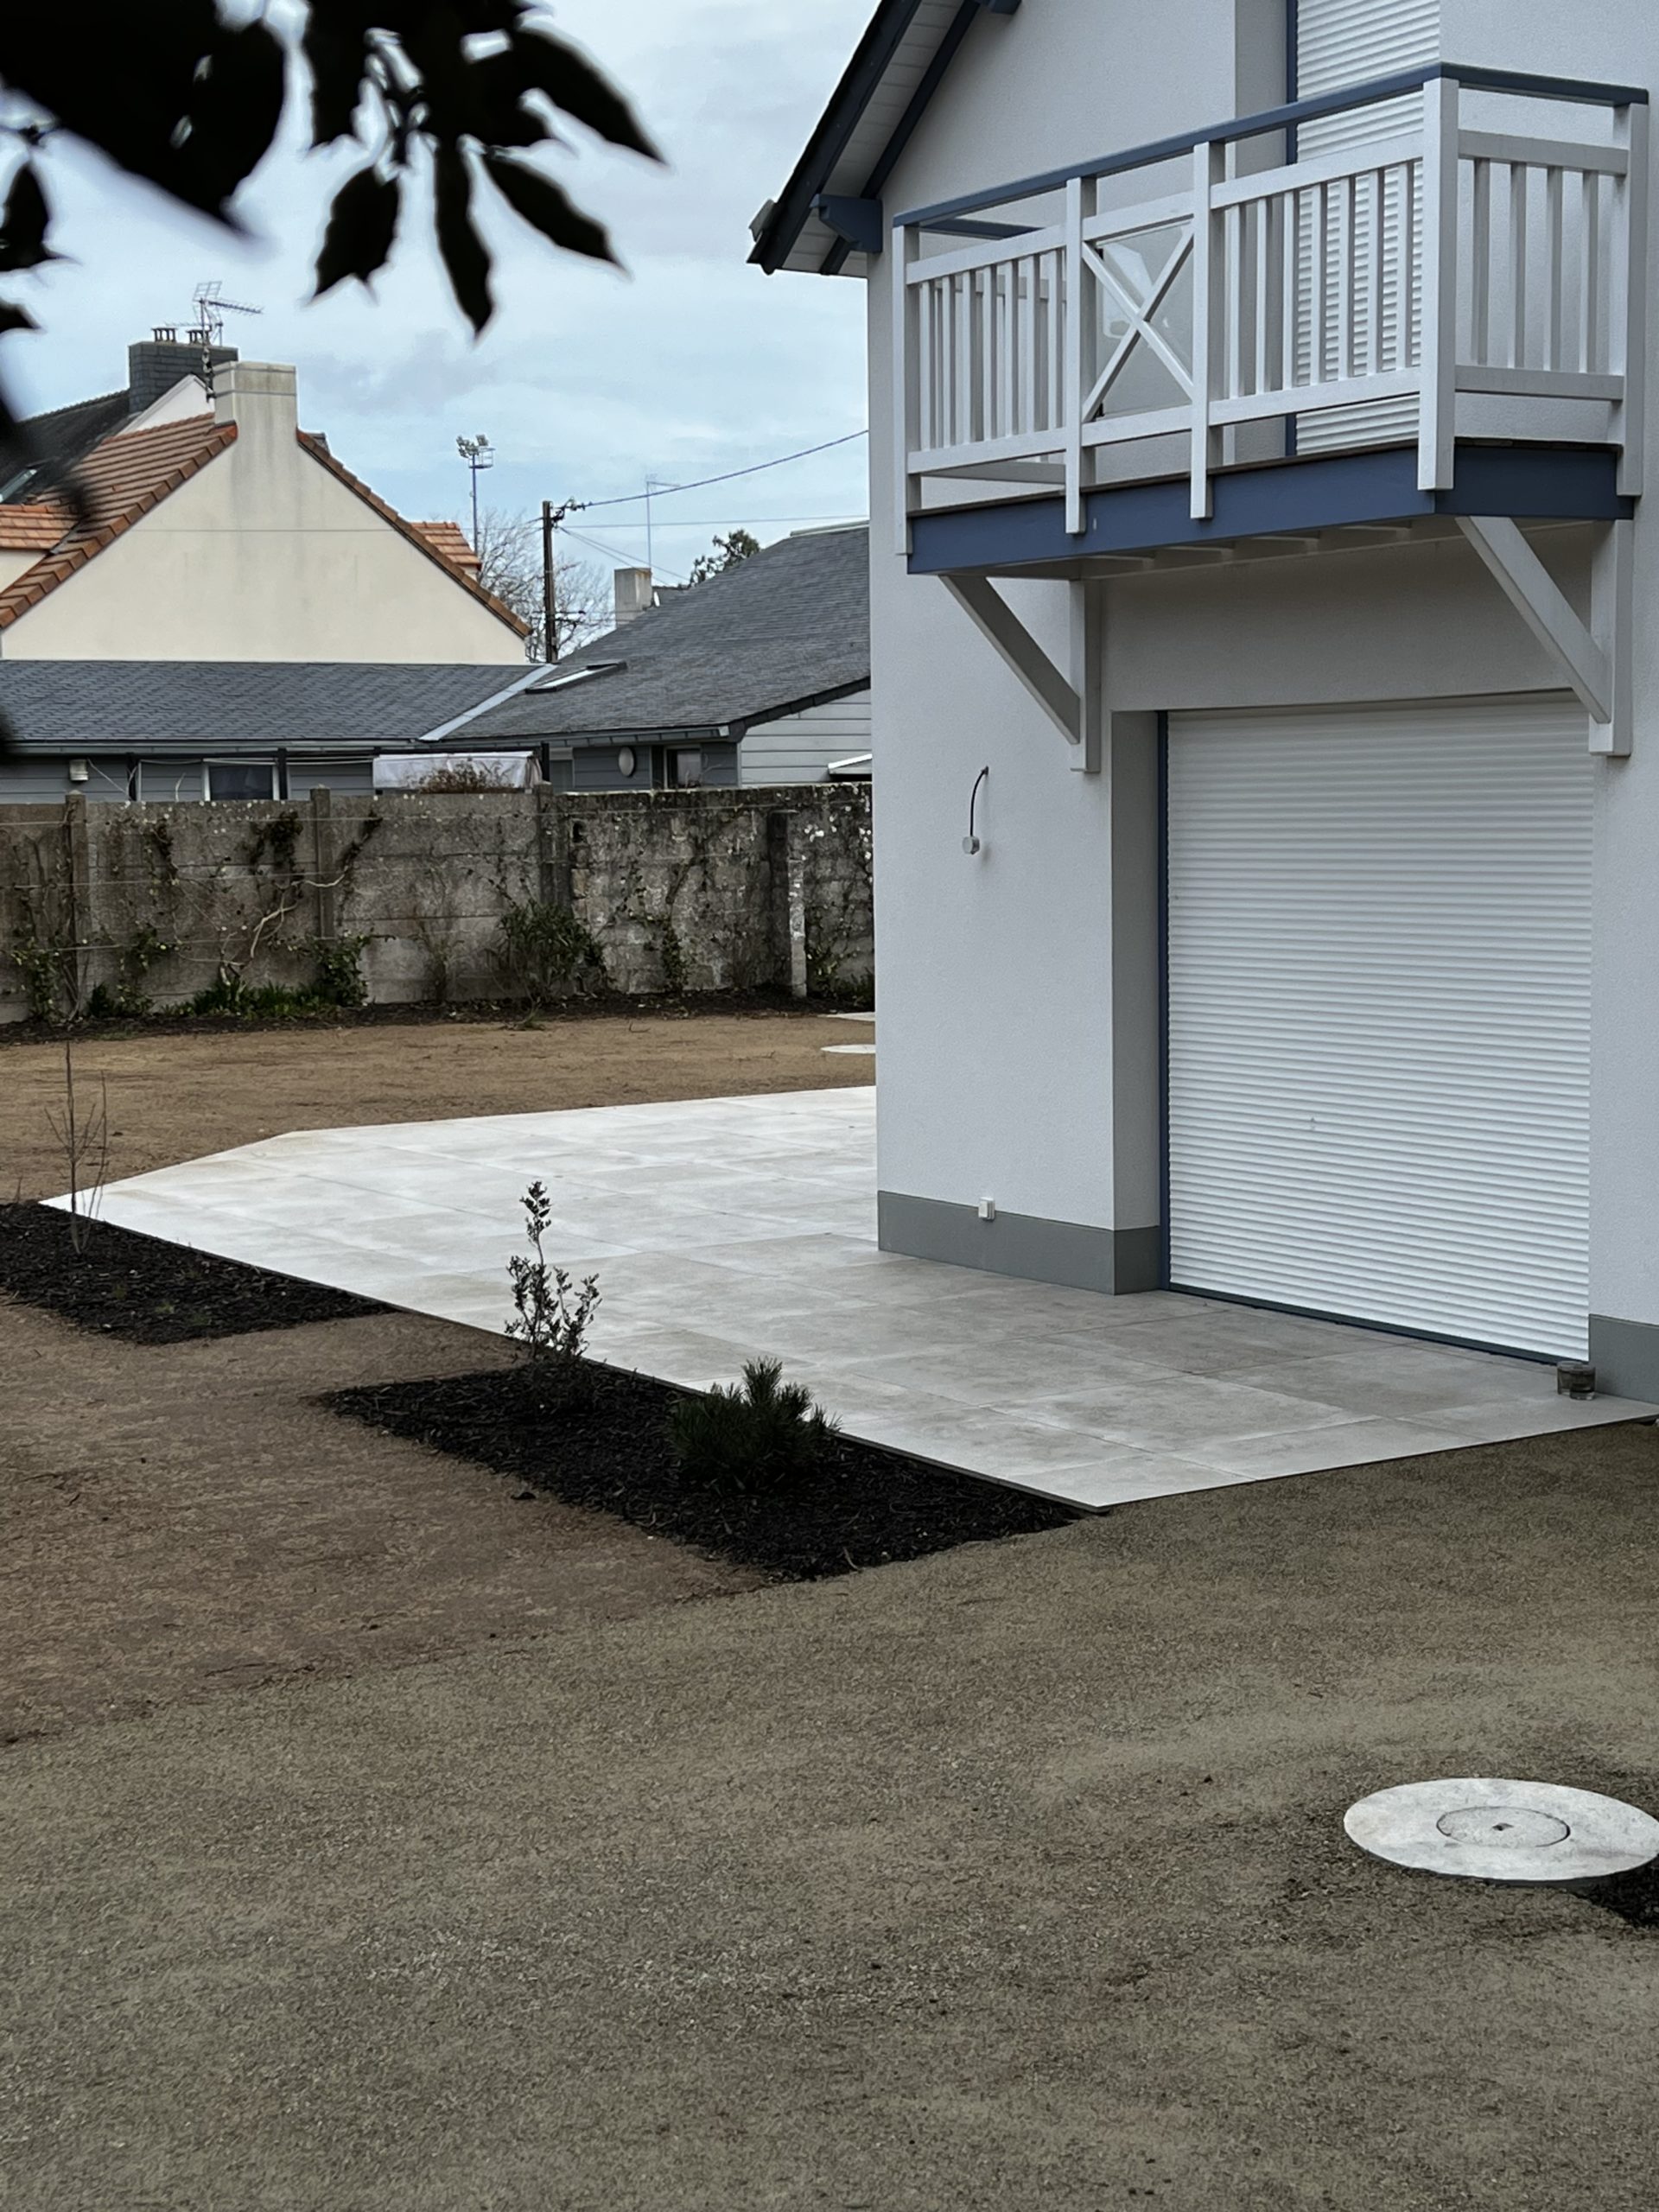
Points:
(1409, 274)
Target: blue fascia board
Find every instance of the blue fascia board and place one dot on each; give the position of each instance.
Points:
(1574, 91)
(1536, 483)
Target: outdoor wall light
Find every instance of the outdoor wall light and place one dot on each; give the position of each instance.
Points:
(625, 762)
(971, 843)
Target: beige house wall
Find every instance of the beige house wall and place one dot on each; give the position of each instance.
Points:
(264, 555)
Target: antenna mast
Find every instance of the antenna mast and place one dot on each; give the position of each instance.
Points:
(207, 333)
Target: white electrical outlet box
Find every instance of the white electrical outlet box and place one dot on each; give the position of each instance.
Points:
(987, 1209)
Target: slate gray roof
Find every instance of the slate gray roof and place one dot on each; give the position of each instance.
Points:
(787, 626)
(136, 706)
(48, 446)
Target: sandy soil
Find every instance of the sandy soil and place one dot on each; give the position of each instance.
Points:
(1010, 1881)
(182, 1521)
(175, 1097)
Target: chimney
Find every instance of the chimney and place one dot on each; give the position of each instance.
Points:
(261, 397)
(155, 364)
(633, 593)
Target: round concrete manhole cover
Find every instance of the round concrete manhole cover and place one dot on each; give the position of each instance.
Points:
(1492, 1831)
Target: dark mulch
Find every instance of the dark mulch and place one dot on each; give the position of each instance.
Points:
(605, 1447)
(151, 1293)
(479, 1013)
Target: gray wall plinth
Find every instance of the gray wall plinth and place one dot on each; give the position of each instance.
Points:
(1113, 1261)
(1626, 1355)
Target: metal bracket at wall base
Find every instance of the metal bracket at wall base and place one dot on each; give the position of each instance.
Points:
(1596, 658)
(1071, 702)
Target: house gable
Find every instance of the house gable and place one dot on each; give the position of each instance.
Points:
(236, 536)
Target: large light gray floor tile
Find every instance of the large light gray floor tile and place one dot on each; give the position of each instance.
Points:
(724, 1230)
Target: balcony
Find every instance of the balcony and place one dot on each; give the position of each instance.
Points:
(1461, 274)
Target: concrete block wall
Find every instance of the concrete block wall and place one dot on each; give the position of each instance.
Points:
(678, 890)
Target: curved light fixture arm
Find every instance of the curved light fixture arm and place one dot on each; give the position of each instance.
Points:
(971, 843)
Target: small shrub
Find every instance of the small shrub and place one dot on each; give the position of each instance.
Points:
(546, 952)
(551, 1313)
(763, 1436)
(339, 979)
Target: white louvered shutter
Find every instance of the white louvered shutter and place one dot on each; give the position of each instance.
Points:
(1379, 973)
(1341, 42)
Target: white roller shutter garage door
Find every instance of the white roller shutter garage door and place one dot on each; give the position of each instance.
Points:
(1379, 975)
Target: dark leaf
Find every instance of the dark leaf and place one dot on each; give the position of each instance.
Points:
(337, 53)
(546, 207)
(572, 83)
(466, 257)
(127, 80)
(496, 110)
(362, 223)
(23, 224)
(236, 107)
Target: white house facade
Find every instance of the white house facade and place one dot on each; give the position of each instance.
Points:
(1265, 689)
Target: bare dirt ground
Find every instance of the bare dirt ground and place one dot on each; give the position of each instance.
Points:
(375, 1840)
(1012, 1880)
(175, 1096)
(181, 1521)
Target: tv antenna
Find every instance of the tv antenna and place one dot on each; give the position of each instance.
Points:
(207, 333)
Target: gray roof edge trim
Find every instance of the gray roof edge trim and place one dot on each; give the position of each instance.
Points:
(737, 725)
(801, 706)
(496, 699)
(833, 128)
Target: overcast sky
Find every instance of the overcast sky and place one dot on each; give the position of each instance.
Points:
(588, 381)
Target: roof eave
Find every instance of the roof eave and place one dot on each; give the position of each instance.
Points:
(795, 235)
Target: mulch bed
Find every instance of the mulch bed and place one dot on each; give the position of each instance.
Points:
(478, 1014)
(149, 1292)
(605, 1447)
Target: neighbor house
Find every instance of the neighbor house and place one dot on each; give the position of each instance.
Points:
(214, 528)
(217, 730)
(1267, 713)
(760, 675)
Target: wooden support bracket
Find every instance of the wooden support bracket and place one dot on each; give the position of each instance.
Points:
(1071, 702)
(1596, 665)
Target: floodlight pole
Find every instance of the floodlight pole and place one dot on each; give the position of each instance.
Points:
(476, 453)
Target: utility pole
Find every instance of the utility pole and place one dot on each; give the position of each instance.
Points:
(551, 518)
(550, 587)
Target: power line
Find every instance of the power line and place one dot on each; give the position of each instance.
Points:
(666, 491)
(721, 522)
(613, 552)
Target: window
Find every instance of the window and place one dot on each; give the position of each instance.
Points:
(240, 779)
(687, 765)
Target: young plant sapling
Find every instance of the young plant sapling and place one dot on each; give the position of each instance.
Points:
(551, 1312)
(83, 1138)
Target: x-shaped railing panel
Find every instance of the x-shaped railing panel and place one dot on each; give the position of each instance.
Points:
(1141, 313)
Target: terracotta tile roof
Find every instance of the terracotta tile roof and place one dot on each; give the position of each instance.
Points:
(32, 529)
(449, 539)
(413, 532)
(123, 478)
